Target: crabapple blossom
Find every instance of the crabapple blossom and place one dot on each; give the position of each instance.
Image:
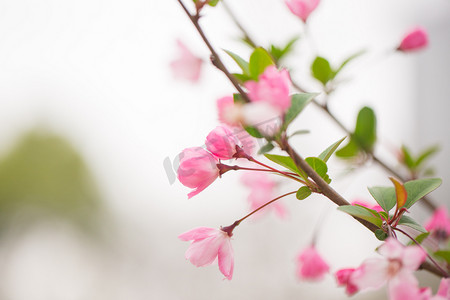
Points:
(302, 8)
(311, 265)
(444, 290)
(439, 224)
(262, 191)
(229, 112)
(343, 279)
(415, 39)
(187, 66)
(222, 142)
(207, 245)
(272, 87)
(262, 116)
(406, 290)
(396, 266)
(198, 169)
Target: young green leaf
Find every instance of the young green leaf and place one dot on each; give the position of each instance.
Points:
(321, 70)
(408, 221)
(318, 165)
(266, 148)
(349, 59)
(242, 63)
(417, 189)
(365, 131)
(381, 235)
(443, 254)
(362, 213)
(259, 61)
(385, 196)
(407, 158)
(426, 154)
(298, 103)
(286, 162)
(213, 2)
(253, 132)
(421, 237)
(237, 99)
(348, 151)
(326, 154)
(400, 192)
(303, 193)
(278, 52)
(299, 132)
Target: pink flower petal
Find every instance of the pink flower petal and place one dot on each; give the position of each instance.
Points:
(226, 259)
(371, 274)
(311, 266)
(415, 39)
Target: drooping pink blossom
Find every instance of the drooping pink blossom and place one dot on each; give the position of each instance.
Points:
(439, 224)
(207, 245)
(415, 39)
(186, 66)
(222, 142)
(229, 112)
(198, 169)
(302, 8)
(262, 189)
(272, 87)
(310, 265)
(444, 290)
(396, 266)
(343, 279)
(375, 207)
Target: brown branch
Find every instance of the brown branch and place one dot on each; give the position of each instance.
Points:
(325, 188)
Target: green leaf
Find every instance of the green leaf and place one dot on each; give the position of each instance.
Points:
(408, 221)
(298, 132)
(362, 213)
(385, 196)
(242, 77)
(348, 151)
(380, 234)
(417, 189)
(318, 165)
(298, 103)
(426, 154)
(286, 162)
(237, 99)
(407, 158)
(266, 148)
(321, 70)
(259, 61)
(303, 193)
(444, 254)
(365, 131)
(278, 52)
(349, 59)
(421, 237)
(253, 132)
(242, 63)
(326, 154)
(213, 2)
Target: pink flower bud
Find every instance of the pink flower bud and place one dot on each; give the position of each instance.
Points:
(197, 170)
(222, 142)
(311, 266)
(414, 40)
(207, 245)
(343, 279)
(271, 88)
(229, 112)
(187, 66)
(439, 224)
(302, 8)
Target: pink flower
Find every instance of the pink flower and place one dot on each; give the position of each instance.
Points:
(262, 191)
(302, 8)
(415, 39)
(396, 266)
(272, 88)
(343, 279)
(207, 245)
(408, 291)
(222, 142)
(187, 65)
(444, 290)
(311, 266)
(197, 170)
(439, 223)
(263, 116)
(229, 112)
(375, 207)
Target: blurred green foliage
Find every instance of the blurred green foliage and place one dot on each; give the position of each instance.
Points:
(44, 178)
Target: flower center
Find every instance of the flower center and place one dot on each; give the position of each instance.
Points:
(394, 267)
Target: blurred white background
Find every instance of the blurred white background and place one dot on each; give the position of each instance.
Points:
(96, 72)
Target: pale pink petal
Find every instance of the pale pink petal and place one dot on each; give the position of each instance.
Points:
(222, 142)
(228, 112)
(415, 39)
(392, 249)
(262, 115)
(371, 274)
(444, 289)
(203, 252)
(226, 259)
(343, 279)
(413, 257)
(187, 66)
(198, 233)
(302, 8)
(407, 291)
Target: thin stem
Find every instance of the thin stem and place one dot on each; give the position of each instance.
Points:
(444, 273)
(278, 171)
(262, 206)
(215, 59)
(247, 37)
